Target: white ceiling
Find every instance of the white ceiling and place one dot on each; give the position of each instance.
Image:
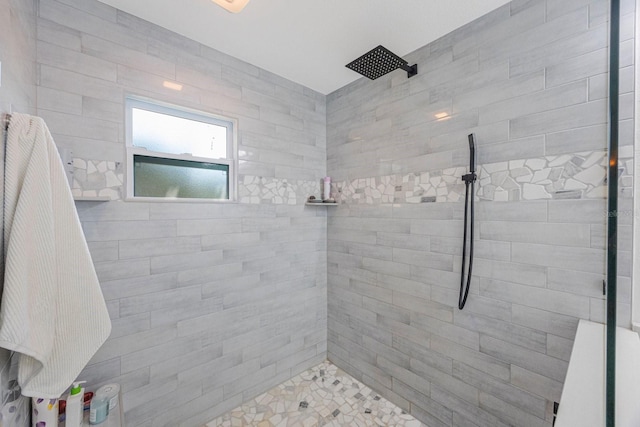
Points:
(310, 41)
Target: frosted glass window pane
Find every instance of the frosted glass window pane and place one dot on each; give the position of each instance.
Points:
(177, 135)
(159, 177)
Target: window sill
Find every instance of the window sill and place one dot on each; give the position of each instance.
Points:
(177, 200)
(92, 199)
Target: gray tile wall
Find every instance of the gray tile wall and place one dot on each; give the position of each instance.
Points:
(17, 93)
(211, 304)
(529, 80)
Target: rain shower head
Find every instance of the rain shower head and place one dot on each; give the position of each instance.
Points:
(380, 61)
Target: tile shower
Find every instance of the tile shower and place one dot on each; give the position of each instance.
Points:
(213, 305)
(528, 79)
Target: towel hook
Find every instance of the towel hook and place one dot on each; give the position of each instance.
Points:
(6, 121)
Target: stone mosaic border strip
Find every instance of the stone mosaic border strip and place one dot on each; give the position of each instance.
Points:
(92, 178)
(567, 176)
(276, 191)
(97, 178)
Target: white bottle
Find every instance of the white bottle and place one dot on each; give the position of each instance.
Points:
(326, 188)
(75, 405)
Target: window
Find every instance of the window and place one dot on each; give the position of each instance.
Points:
(177, 153)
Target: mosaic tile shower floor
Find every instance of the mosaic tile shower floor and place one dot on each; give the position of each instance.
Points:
(321, 396)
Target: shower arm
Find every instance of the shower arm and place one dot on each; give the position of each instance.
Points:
(411, 70)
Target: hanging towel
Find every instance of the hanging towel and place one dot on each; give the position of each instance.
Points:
(52, 310)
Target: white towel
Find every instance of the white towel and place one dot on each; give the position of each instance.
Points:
(52, 310)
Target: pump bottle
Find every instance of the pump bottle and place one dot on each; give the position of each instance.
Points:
(75, 405)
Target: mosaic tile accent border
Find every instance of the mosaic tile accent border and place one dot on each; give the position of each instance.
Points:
(321, 396)
(92, 178)
(257, 189)
(568, 176)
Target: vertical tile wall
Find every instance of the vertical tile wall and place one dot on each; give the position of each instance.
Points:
(17, 93)
(211, 304)
(529, 79)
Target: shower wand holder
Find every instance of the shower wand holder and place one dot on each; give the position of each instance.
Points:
(470, 177)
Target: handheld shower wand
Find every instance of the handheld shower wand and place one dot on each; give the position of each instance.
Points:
(469, 182)
(472, 156)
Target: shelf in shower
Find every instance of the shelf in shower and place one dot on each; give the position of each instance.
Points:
(92, 199)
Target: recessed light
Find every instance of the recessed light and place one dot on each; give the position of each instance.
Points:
(172, 85)
(233, 6)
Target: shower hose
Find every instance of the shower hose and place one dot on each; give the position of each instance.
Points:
(464, 289)
(469, 181)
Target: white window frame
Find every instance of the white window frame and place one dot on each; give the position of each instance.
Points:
(132, 101)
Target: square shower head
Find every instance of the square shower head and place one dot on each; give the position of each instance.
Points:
(380, 61)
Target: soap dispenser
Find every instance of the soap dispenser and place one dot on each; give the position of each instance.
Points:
(75, 405)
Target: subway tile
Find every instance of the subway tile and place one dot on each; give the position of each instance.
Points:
(558, 51)
(574, 140)
(519, 148)
(118, 54)
(159, 353)
(460, 405)
(560, 119)
(79, 84)
(531, 275)
(554, 301)
(158, 300)
(130, 325)
(543, 100)
(559, 347)
(537, 362)
(197, 227)
(529, 211)
(580, 259)
(57, 100)
(113, 270)
(59, 35)
(99, 109)
(577, 68)
(85, 127)
(463, 336)
(79, 62)
(407, 286)
(578, 211)
(423, 306)
(424, 259)
(437, 227)
(536, 383)
(127, 230)
(117, 211)
(171, 316)
(116, 347)
(547, 321)
(182, 262)
(576, 282)
(432, 413)
(158, 247)
(126, 287)
(545, 233)
(204, 275)
(525, 337)
(509, 412)
(103, 251)
(525, 402)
